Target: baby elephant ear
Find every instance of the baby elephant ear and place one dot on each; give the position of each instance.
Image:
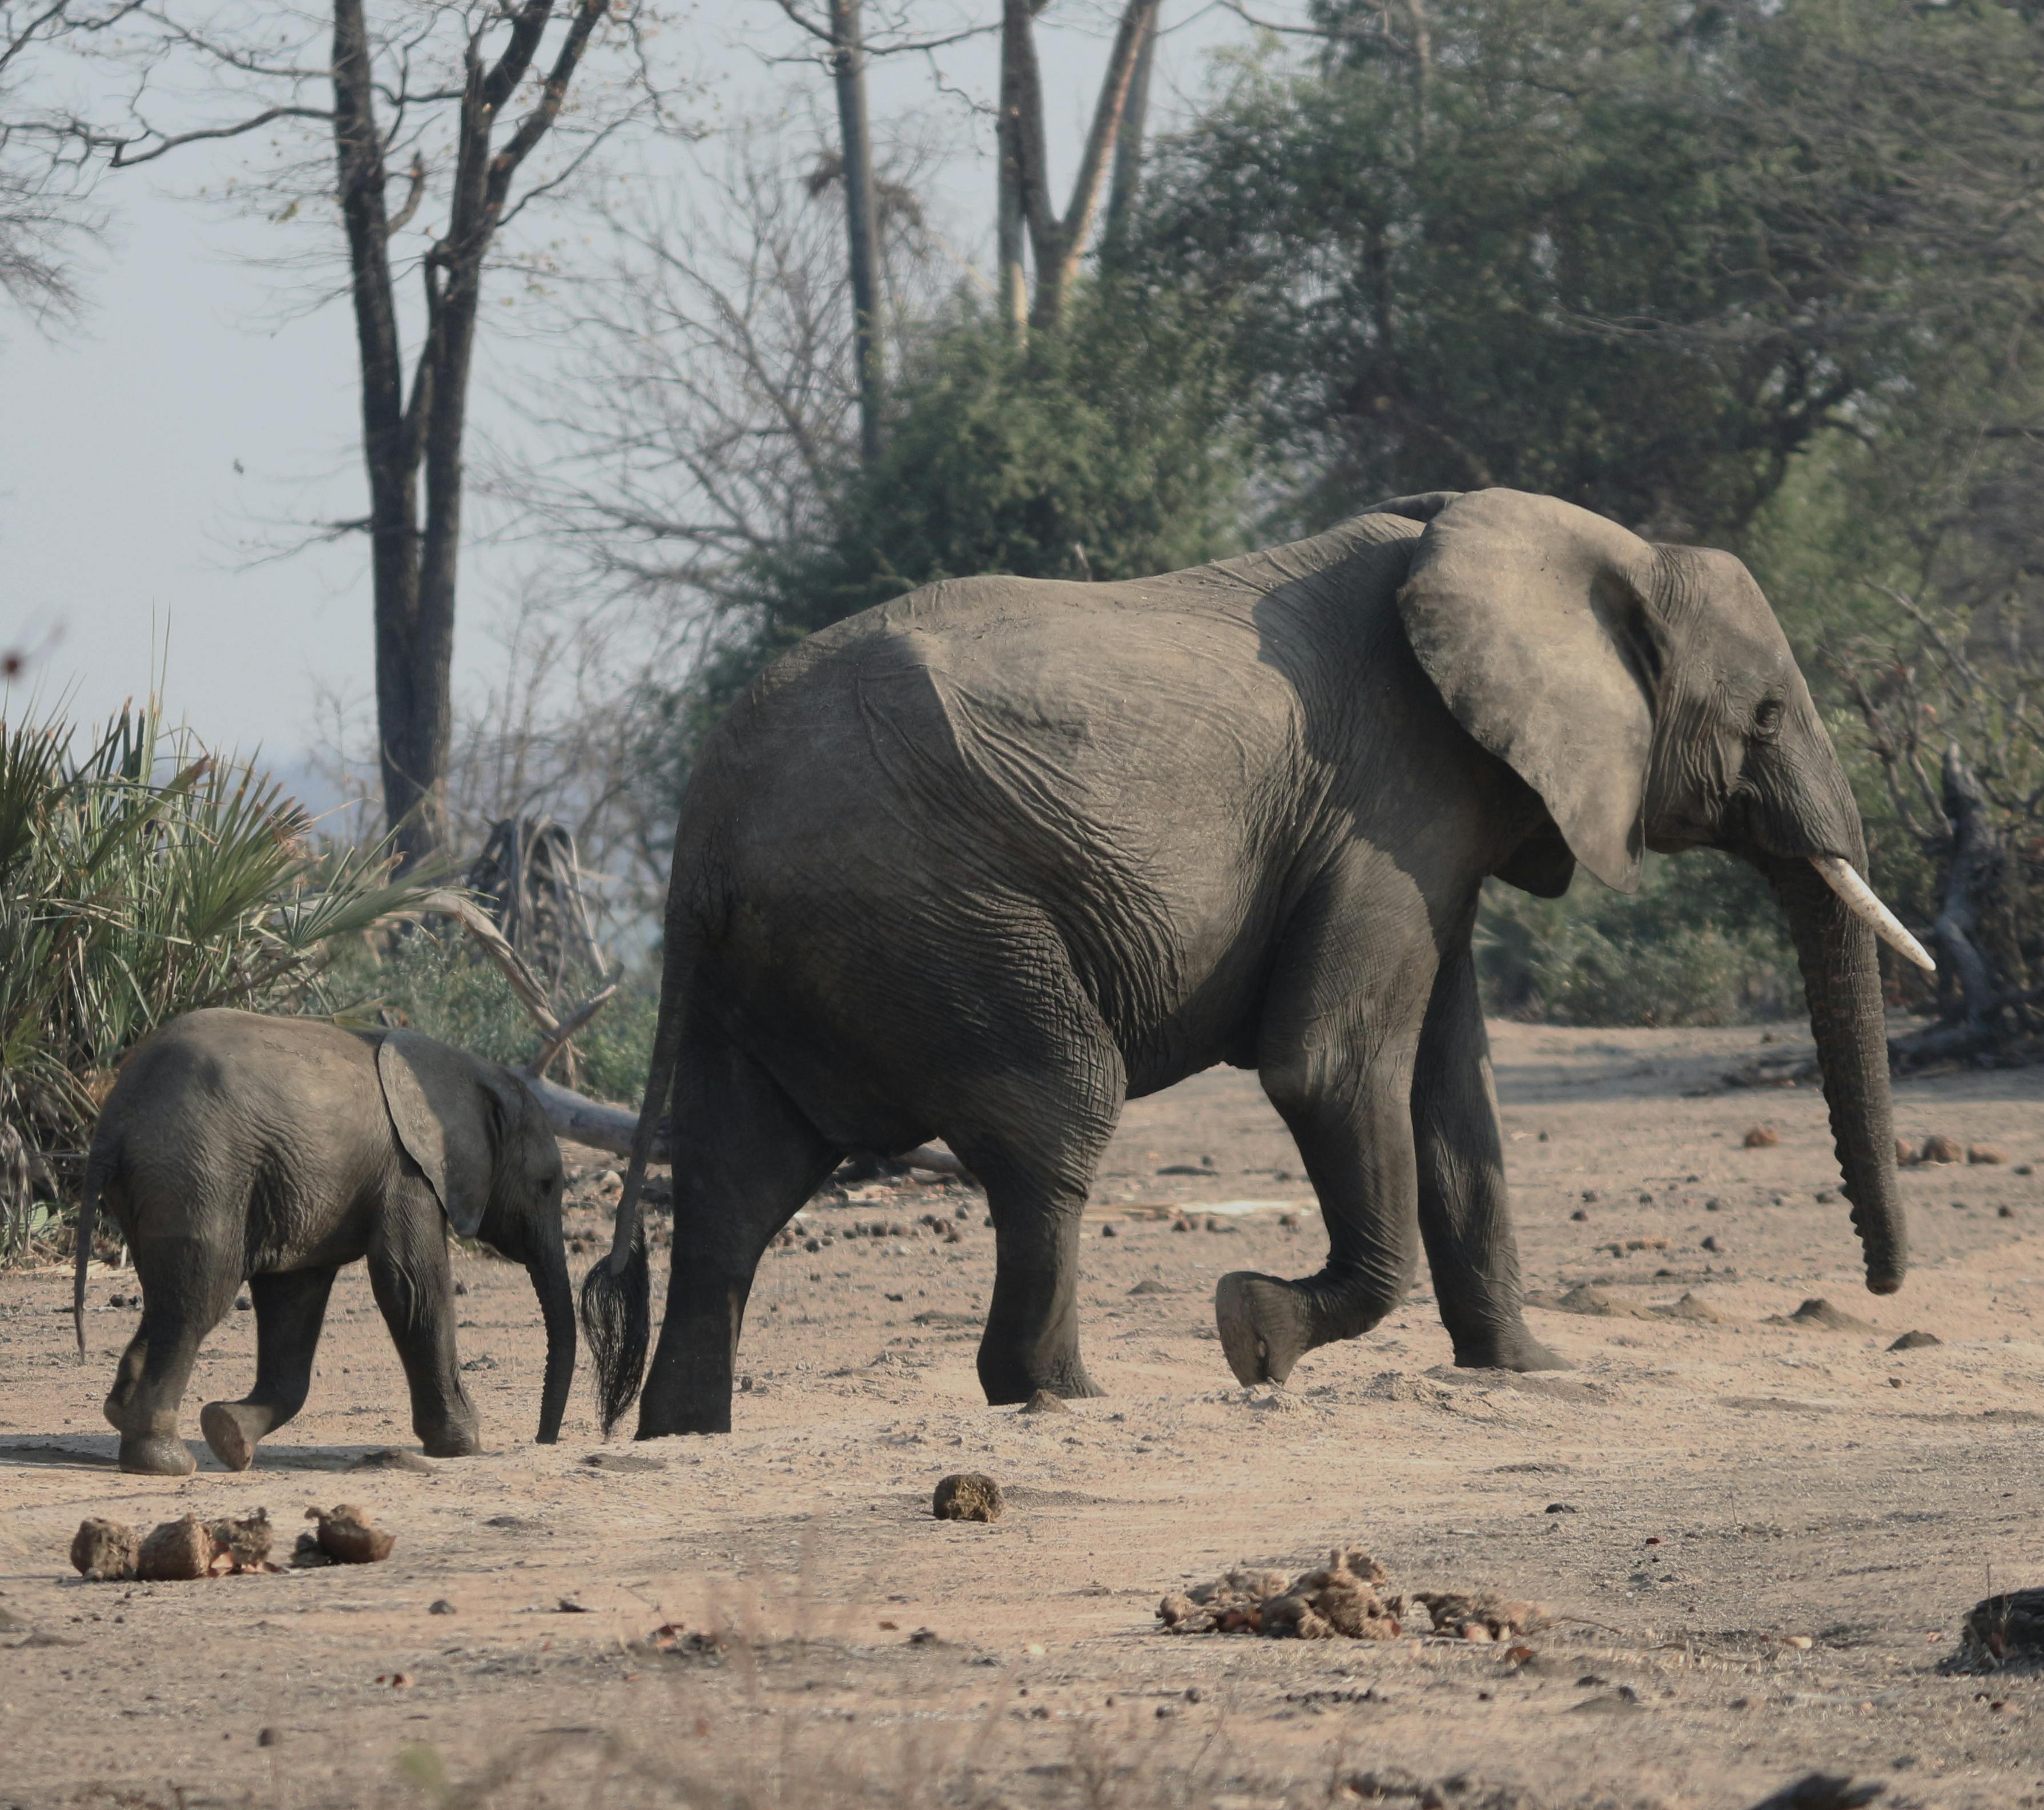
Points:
(1530, 616)
(442, 1114)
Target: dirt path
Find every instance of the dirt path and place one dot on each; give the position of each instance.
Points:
(1733, 1489)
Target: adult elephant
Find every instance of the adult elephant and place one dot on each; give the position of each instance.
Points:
(236, 1147)
(986, 861)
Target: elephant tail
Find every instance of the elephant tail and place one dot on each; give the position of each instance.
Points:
(616, 1294)
(88, 1219)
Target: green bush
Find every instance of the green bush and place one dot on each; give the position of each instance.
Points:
(1700, 943)
(141, 878)
(446, 989)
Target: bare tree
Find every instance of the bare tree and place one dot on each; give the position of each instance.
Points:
(714, 392)
(46, 171)
(470, 100)
(1056, 242)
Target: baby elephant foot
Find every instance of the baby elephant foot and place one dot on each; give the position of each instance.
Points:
(1508, 1348)
(232, 1429)
(1266, 1325)
(156, 1454)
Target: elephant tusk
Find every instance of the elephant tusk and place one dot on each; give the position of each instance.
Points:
(1864, 902)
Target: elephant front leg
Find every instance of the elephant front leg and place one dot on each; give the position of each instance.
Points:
(1464, 1216)
(414, 1289)
(289, 1310)
(1354, 1133)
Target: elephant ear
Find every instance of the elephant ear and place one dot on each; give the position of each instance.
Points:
(1530, 616)
(443, 1115)
(1423, 506)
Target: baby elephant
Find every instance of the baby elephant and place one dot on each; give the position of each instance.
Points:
(276, 1149)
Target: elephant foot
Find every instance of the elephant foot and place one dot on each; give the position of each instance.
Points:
(1266, 1325)
(232, 1429)
(1014, 1365)
(1513, 1348)
(452, 1441)
(156, 1454)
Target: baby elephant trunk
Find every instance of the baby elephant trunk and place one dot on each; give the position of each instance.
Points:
(549, 1271)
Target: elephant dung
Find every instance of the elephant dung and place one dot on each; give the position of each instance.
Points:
(967, 1496)
(105, 1551)
(2001, 1628)
(1762, 1137)
(346, 1536)
(1480, 1615)
(244, 1544)
(1939, 1148)
(176, 1551)
(1985, 1153)
(1338, 1599)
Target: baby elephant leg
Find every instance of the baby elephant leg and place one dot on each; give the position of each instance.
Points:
(186, 1288)
(409, 1274)
(289, 1310)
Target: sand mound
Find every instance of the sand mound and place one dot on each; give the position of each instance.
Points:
(1818, 1315)
(1692, 1307)
(1587, 1298)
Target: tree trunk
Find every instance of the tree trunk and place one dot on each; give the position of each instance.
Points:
(1128, 180)
(389, 435)
(862, 225)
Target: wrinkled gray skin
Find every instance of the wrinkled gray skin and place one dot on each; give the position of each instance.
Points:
(240, 1147)
(983, 862)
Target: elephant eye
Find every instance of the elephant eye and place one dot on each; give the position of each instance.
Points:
(1767, 719)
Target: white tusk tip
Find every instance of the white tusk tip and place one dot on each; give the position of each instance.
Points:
(1864, 903)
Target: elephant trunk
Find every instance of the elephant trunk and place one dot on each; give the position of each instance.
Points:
(549, 1271)
(1841, 980)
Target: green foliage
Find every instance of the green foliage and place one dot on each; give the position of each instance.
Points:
(1700, 943)
(1635, 255)
(139, 879)
(1110, 448)
(444, 988)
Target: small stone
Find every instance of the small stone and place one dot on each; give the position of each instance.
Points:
(105, 1551)
(1939, 1148)
(967, 1496)
(1591, 1197)
(1579, 1215)
(1181, 1224)
(1043, 1402)
(2004, 1212)
(2024, 1169)
(1110, 1230)
(268, 1738)
(1985, 1153)
(1762, 1137)
(243, 1304)
(1713, 1205)
(1711, 1244)
(1288, 1222)
(1825, 1196)
(439, 1605)
(1916, 1341)
(1562, 1508)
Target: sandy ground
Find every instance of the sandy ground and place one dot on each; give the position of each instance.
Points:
(1770, 1536)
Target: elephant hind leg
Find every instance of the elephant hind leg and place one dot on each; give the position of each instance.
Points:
(290, 1310)
(1036, 1132)
(187, 1289)
(746, 1157)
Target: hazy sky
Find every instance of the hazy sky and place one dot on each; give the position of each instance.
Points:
(194, 416)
